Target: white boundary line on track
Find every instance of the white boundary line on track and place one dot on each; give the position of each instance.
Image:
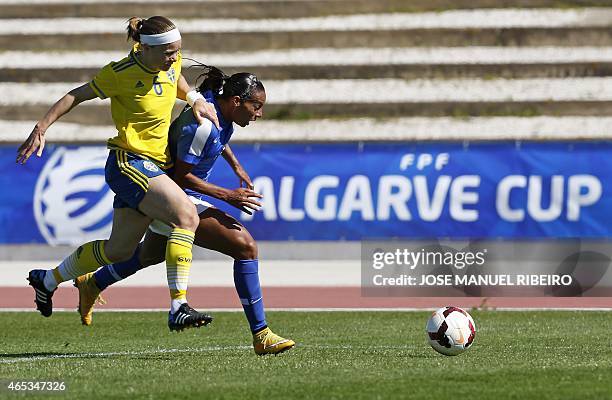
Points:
(321, 309)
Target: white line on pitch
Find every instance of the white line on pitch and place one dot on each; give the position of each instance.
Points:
(54, 357)
(121, 353)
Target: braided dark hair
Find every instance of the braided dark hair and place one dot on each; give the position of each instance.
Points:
(241, 84)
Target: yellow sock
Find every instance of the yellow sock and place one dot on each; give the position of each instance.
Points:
(87, 258)
(178, 264)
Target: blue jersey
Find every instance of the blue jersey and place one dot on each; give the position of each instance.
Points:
(199, 145)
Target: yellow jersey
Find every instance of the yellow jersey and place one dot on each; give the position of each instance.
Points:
(141, 105)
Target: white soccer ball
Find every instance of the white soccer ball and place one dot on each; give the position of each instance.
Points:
(451, 331)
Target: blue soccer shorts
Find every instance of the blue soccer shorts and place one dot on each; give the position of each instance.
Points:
(128, 176)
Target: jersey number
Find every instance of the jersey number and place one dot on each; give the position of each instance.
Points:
(157, 87)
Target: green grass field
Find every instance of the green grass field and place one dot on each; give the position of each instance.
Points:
(352, 355)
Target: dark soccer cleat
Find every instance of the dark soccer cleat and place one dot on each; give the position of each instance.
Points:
(43, 301)
(187, 317)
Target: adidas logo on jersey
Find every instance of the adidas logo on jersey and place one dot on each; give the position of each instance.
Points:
(139, 84)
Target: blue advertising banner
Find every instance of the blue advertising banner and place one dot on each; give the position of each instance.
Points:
(345, 191)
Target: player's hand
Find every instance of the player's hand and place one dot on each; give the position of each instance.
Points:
(34, 143)
(243, 199)
(245, 179)
(203, 110)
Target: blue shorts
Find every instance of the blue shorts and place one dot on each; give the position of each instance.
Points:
(128, 176)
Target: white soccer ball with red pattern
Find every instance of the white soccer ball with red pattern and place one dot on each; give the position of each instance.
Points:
(451, 330)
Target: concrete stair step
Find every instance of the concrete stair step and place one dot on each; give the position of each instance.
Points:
(329, 57)
(402, 71)
(496, 27)
(260, 8)
(356, 129)
(100, 115)
(383, 91)
(242, 41)
(293, 99)
(449, 19)
(345, 63)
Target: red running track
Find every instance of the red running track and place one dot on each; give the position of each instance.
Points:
(288, 297)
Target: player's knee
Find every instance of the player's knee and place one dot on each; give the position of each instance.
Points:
(246, 248)
(187, 217)
(118, 253)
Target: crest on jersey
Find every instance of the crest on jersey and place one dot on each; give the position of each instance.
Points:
(150, 166)
(171, 74)
(72, 203)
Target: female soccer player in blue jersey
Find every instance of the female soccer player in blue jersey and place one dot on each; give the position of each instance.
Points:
(142, 88)
(238, 99)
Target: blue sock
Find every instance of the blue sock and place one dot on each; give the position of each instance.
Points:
(113, 273)
(246, 280)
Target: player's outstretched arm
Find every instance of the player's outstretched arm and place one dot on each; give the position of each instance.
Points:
(201, 108)
(242, 175)
(36, 141)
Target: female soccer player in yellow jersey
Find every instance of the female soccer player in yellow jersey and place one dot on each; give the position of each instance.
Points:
(142, 88)
(239, 99)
